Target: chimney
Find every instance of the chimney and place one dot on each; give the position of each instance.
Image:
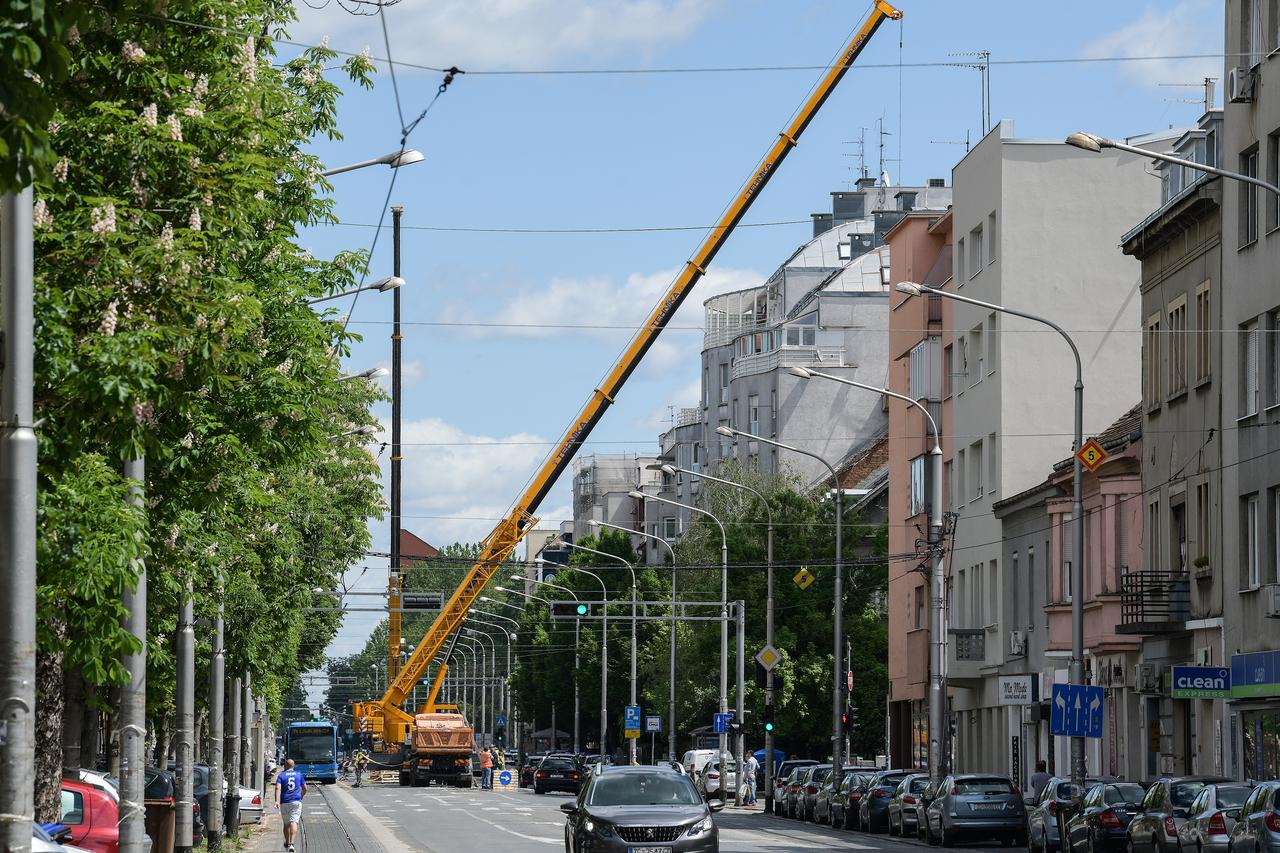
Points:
(846, 207)
(822, 222)
(864, 183)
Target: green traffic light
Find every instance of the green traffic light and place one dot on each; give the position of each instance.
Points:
(582, 610)
(768, 727)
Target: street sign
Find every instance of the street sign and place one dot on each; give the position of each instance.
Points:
(421, 600)
(653, 724)
(1091, 455)
(342, 681)
(504, 778)
(804, 577)
(720, 723)
(1201, 682)
(501, 720)
(768, 657)
(631, 721)
(1076, 710)
(849, 681)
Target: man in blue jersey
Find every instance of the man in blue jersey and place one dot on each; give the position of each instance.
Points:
(291, 786)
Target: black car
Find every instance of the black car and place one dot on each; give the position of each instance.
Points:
(844, 803)
(527, 769)
(1042, 814)
(1100, 825)
(873, 808)
(557, 773)
(640, 808)
(200, 793)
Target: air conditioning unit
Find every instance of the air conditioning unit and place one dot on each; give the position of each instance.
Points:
(1240, 83)
(1017, 643)
(1271, 600)
(1148, 678)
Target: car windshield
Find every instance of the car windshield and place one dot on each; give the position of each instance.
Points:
(643, 789)
(1232, 796)
(983, 786)
(1124, 792)
(557, 764)
(1182, 793)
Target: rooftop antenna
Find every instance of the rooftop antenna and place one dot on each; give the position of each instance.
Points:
(964, 142)
(861, 142)
(884, 175)
(1208, 86)
(983, 67)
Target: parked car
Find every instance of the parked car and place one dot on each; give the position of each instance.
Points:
(1042, 812)
(629, 806)
(826, 793)
(795, 791)
(782, 776)
(92, 815)
(250, 805)
(1154, 829)
(43, 842)
(902, 805)
(922, 804)
(694, 759)
(708, 781)
(1107, 809)
(1211, 817)
(844, 803)
(528, 768)
(1257, 828)
(976, 805)
(100, 781)
(808, 795)
(873, 808)
(557, 773)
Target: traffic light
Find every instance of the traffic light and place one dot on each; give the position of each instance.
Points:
(569, 609)
(500, 735)
(735, 728)
(767, 718)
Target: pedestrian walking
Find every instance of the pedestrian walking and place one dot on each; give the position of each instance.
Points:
(291, 787)
(749, 769)
(1040, 778)
(486, 770)
(362, 761)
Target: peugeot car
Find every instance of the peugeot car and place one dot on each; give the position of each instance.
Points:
(626, 809)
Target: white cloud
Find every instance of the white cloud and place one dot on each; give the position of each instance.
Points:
(493, 34)
(1187, 28)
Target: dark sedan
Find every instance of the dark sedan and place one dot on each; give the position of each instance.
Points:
(826, 796)
(794, 796)
(782, 776)
(625, 809)
(1100, 826)
(844, 803)
(557, 773)
(529, 767)
(1042, 818)
(873, 808)
(1155, 828)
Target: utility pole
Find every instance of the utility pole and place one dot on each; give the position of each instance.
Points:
(246, 726)
(17, 522)
(133, 696)
(185, 703)
(742, 695)
(217, 677)
(395, 581)
(231, 758)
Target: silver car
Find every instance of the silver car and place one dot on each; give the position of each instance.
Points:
(976, 805)
(1211, 817)
(1257, 830)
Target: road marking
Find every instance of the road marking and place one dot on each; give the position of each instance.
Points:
(373, 826)
(502, 828)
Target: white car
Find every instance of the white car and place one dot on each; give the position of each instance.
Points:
(708, 778)
(250, 805)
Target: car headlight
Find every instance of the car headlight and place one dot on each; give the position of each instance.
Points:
(598, 827)
(701, 827)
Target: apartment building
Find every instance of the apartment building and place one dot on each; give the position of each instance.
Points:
(1250, 387)
(919, 330)
(1035, 225)
(682, 446)
(1173, 602)
(601, 486)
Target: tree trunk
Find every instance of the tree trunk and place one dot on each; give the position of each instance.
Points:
(49, 707)
(73, 723)
(164, 732)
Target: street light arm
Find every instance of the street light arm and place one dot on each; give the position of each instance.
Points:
(1093, 142)
(658, 539)
(835, 480)
(724, 539)
(767, 508)
(396, 159)
(391, 282)
(624, 562)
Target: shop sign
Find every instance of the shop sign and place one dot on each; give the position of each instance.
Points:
(1018, 690)
(1201, 682)
(1255, 674)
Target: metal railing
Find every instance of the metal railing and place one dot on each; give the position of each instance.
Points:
(1153, 602)
(935, 308)
(820, 356)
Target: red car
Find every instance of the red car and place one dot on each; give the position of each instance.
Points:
(92, 815)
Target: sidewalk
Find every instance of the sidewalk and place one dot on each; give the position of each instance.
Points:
(321, 831)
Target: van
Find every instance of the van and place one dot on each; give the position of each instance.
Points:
(695, 758)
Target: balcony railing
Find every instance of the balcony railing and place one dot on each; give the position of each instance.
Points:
(1153, 602)
(819, 357)
(970, 644)
(688, 417)
(935, 308)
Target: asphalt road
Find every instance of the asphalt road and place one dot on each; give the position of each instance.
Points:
(390, 819)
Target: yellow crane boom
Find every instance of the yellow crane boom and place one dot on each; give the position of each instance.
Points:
(502, 541)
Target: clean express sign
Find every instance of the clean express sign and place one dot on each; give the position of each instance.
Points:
(1201, 682)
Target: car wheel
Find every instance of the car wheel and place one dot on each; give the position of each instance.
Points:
(892, 829)
(1033, 847)
(1020, 839)
(948, 840)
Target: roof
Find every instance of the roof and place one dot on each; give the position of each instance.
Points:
(1125, 430)
(412, 548)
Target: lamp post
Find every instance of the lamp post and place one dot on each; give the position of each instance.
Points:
(370, 374)
(671, 692)
(475, 615)
(395, 159)
(604, 650)
(837, 675)
(671, 470)
(382, 285)
(937, 578)
(1094, 143)
(1075, 670)
(631, 746)
(577, 662)
(724, 626)
(491, 662)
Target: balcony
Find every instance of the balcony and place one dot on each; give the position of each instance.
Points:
(688, 417)
(1154, 602)
(819, 357)
(966, 653)
(935, 308)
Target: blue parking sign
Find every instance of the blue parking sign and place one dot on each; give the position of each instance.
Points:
(632, 718)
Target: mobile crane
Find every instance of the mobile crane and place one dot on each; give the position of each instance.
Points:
(386, 716)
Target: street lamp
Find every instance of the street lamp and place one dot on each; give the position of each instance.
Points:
(937, 578)
(604, 646)
(1075, 670)
(837, 735)
(1094, 143)
(371, 373)
(671, 692)
(382, 285)
(577, 660)
(671, 471)
(522, 594)
(724, 627)
(365, 430)
(503, 700)
(396, 159)
(503, 603)
(485, 688)
(631, 746)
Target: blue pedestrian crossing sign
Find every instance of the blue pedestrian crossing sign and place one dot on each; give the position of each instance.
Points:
(504, 778)
(1076, 710)
(501, 721)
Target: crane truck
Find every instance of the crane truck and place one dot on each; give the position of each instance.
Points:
(386, 715)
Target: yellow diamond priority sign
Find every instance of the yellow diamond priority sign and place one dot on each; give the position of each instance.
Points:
(804, 577)
(768, 657)
(1091, 455)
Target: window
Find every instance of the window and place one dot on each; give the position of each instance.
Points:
(844, 250)
(1249, 370)
(706, 387)
(962, 368)
(753, 414)
(726, 443)
(1031, 585)
(1249, 533)
(991, 238)
(918, 487)
(975, 345)
(919, 594)
(71, 812)
(670, 528)
(1275, 534)
(724, 383)
(922, 374)
(975, 251)
(753, 461)
(1273, 357)
(949, 477)
(1151, 350)
(946, 371)
(1178, 346)
(1204, 333)
(1204, 526)
(975, 468)
(992, 459)
(773, 411)
(803, 332)
(1273, 174)
(993, 343)
(960, 493)
(1248, 199)
(1152, 541)
(1251, 32)
(1068, 546)
(959, 257)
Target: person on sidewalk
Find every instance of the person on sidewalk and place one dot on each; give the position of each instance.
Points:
(291, 787)
(1040, 778)
(749, 768)
(486, 770)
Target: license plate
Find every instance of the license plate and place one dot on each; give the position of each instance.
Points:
(557, 776)
(648, 850)
(989, 807)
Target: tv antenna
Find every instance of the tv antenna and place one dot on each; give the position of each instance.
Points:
(884, 176)
(1208, 86)
(964, 142)
(983, 66)
(861, 142)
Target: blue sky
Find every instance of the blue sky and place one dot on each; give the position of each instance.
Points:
(483, 402)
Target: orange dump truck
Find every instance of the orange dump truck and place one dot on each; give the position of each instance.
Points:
(439, 751)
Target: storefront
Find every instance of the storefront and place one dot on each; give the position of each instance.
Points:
(1255, 715)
